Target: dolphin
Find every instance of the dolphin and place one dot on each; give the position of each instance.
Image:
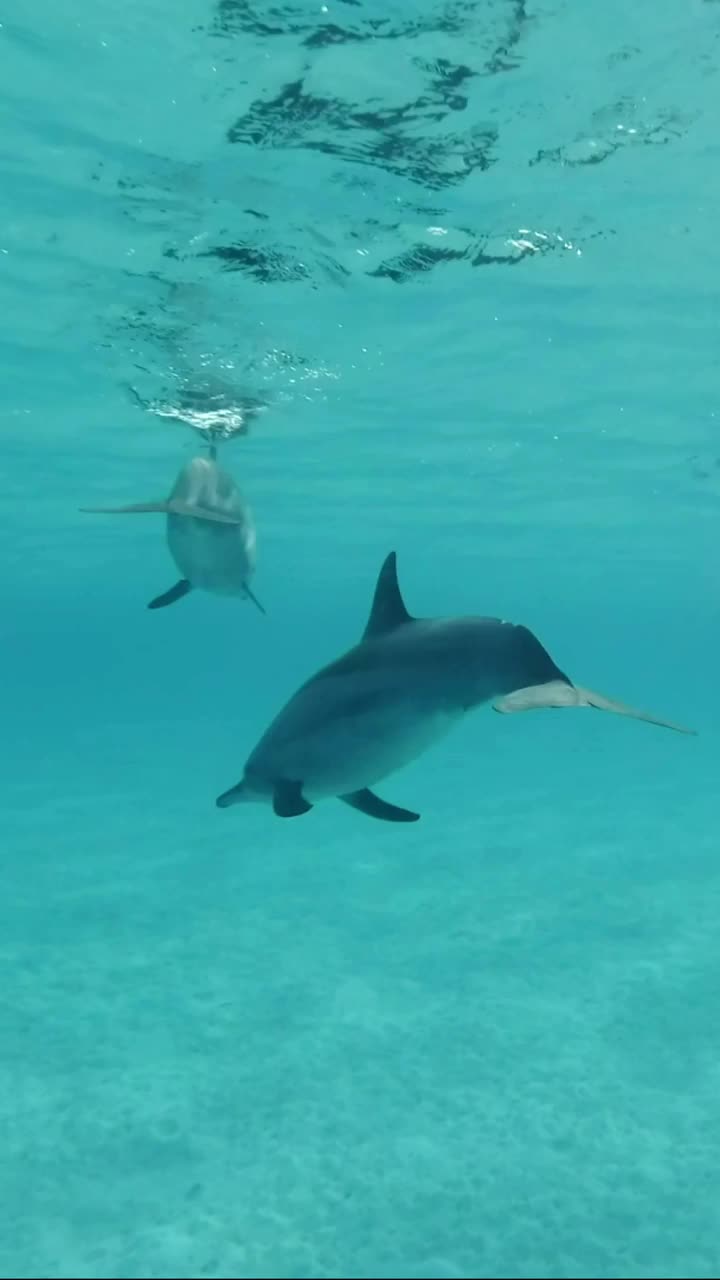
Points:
(210, 532)
(388, 699)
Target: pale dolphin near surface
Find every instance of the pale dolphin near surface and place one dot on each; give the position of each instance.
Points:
(210, 532)
(388, 699)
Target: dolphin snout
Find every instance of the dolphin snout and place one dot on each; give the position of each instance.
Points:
(233, 796)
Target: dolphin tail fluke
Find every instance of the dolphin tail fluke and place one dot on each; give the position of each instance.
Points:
(251, 596)
(133, 509)
(172, 507)
(558, 694)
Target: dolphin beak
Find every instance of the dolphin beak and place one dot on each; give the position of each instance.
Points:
(235, 795)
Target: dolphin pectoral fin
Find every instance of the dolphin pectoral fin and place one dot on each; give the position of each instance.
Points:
(288, 799)
(134, 508)
(177, 592)
(558, 694)
(367, 802)
(254, 599)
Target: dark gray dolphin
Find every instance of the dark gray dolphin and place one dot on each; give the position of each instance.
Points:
(210, 532)
(384, 702)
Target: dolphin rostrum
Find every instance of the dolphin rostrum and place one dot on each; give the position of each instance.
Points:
(399, 690)
(210, 532)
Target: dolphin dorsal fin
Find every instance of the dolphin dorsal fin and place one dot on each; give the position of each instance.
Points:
(388, 609)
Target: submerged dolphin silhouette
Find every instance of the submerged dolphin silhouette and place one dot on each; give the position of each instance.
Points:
(210, 532)
(384, 702)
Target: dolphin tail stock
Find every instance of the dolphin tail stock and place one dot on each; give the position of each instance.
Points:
(171, 507)
(177, 508)
(558, 694)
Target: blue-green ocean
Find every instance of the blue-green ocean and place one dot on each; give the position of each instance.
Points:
(439, 277)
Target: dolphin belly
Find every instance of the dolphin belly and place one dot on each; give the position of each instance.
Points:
(353, 746)
(213, 557)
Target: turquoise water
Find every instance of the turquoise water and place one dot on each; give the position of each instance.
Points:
(457, 265)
